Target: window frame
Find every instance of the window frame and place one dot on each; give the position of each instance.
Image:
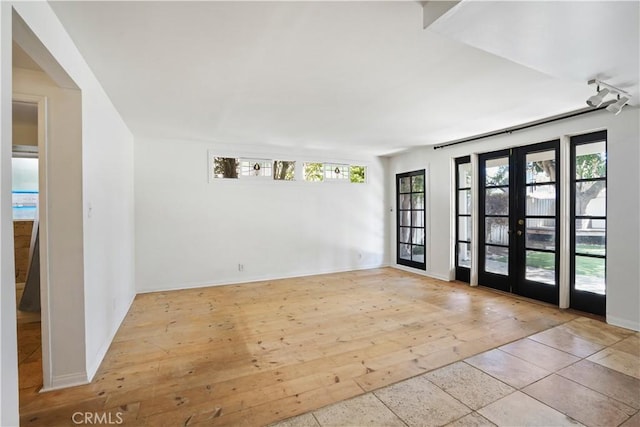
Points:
(422, 265)
(463, 273)
(581, 299)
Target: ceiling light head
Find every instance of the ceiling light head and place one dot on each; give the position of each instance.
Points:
(605, 89)
(616, 107)
(598, 98)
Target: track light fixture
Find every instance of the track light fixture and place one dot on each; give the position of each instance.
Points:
(598, 98)
(603, 89)
(616, 107)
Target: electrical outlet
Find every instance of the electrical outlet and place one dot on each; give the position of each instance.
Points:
(240, 267)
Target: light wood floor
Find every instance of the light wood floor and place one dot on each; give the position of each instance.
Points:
(257, 353)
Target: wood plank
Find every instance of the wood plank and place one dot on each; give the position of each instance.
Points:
(256, 353)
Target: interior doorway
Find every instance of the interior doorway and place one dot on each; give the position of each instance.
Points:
(25, 190)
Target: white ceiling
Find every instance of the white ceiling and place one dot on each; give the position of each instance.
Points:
(344, 75)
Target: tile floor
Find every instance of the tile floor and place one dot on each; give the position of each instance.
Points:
(583, 372)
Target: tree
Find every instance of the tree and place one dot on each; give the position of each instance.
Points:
(497, 199)
(313, 172)
(225, 167)
(357, 174)
(283, 170)
(589, 166)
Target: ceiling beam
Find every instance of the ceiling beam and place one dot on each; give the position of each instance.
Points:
(434, 9)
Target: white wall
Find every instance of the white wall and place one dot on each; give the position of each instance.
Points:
(24, 133)
(190, 232)
(8, 343)
(106, 180)
(623, 232)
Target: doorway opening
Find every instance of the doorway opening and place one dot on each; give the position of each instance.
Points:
(25, 168)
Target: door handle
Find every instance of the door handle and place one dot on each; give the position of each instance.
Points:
(519, 233)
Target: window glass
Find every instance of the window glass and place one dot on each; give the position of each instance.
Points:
(336, 171)
(225, 167)
(358, 174)
(284, 170)
(255, 168)
(313, 172)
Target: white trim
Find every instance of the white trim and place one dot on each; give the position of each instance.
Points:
(65, 381)
(564, 222)
(453, 218)
(420, 272)
(475, 227)
(261, 278)
(634, 325)
(428, 247)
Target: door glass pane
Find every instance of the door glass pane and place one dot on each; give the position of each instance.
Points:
(418, 236)
(496, 260)
(464, 228)
(591, 237)
(417, 183)
(541, 167)
(591, 160)
(405, 185)
(405, 218)
(405, 235)
(418, 253)
(497, 231)
(404, 251)
(464, 202)
(405, 201)
(541, 267)
(417, 201)
(591, 198)
(417, 218)
(497, 171)
(464, 175)
(541, 234)
(464, 255)
(590, 274)
(496, 201)
(541, 200)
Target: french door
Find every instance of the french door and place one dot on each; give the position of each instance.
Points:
(518, 221)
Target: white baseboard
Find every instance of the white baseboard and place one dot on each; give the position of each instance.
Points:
(421, 272)
(259, 278)
(634, 325)
(65, 381)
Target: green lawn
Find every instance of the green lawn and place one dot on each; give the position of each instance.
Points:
(585, 266)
